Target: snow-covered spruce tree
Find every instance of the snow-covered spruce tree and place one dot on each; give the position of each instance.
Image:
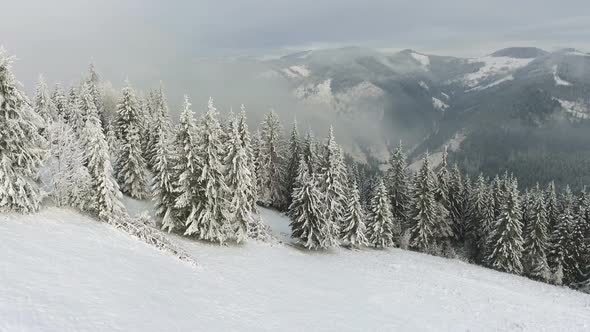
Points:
(93, 82)
(211, 221)
(353, 232)
(131, 171)
(398, 185)
(44, 105)
(162, 186)
(552, 207)
(160, 117)
(293, 164)
(506, 240)
(536, 239)
(22, 148)
(427, 224)
(332, 181)
(187, 171)
(112, 142)
(272, 191)
(105, 191)
(479, 222)
(61, 103)
(459, 190)
(69, 180)
(307, 211)
(256, 169)
(380, 226)
(239, 180)
(310, 153)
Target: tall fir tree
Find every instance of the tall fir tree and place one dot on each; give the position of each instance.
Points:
(239, 179)
(293, 164)
(307, 211)
(61, 103)
(162, 186)
(428, 225)
(552, 206)
(272, 191)
(22, 148)
(354, 230)
(536, 239)
(131, 168)
(506, 240)
(211, 216)
(380, 225)
(332, 181)
(398, 186)
(187, 171)
(107, 196)
(44, 105)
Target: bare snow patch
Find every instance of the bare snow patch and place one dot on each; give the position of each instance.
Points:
(439, 104)
(447, 97)
(575, 108)
(297, 71)
(558, 80)
(493, 66)
(424, 60)
(424, 86)
(495, 83)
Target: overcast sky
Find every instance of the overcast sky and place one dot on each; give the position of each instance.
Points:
(148, 33)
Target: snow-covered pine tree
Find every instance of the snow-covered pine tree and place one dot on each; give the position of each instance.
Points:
(44, 105)
(61, 103)
(272, 191)
(536, 239)
(458, 191)
(425, 220)
(506, 240)
(211, 221)
(22, 148)
(353, 232)
(480, 220)
(160, 118)
(105, 191)
(398, 186)
(332, 183)
(552, 207)
(162, 186)
(131, 171)
(380, 226)
(93, 82)
(294, 157)
(307, 211)
(239, 180)
(187, 172)
(310, 153)
(112, 142)
(69, 180)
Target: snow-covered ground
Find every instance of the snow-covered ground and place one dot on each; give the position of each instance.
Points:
(61, 271)
(559, 80)
(493, 66)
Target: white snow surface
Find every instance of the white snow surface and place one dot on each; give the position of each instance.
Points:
(424, 85)
(62, 271)
(439, 104)
(495, 83)
(424, 60)
(493, 66)
(558, 80)
(297, 71)
(576, 108)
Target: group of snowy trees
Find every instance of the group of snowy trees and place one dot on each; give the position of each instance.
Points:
(207, 174)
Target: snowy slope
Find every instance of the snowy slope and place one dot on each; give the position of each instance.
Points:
(60, 271)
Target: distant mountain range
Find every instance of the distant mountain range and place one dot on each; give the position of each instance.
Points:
(431, 100)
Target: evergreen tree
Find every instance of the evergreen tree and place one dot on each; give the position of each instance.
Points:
(552, 207)
(459, 190)
(93, 82)
(107, 196)
(506, 240)
(307, 211)
(131, 167)
(354, 229)
(332, 183)
(211, 220)
(424, 213)
(380, 227)
(293, 165)
(44, 105)
(61, 103)
(310, 153)
(162, 187)
(536, 239)
(187, 170)
(239, 179)
(22, 148)
(272, 164)
(159, 118)
(480, 220)
(398, 186)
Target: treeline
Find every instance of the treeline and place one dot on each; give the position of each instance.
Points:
(207, 174)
